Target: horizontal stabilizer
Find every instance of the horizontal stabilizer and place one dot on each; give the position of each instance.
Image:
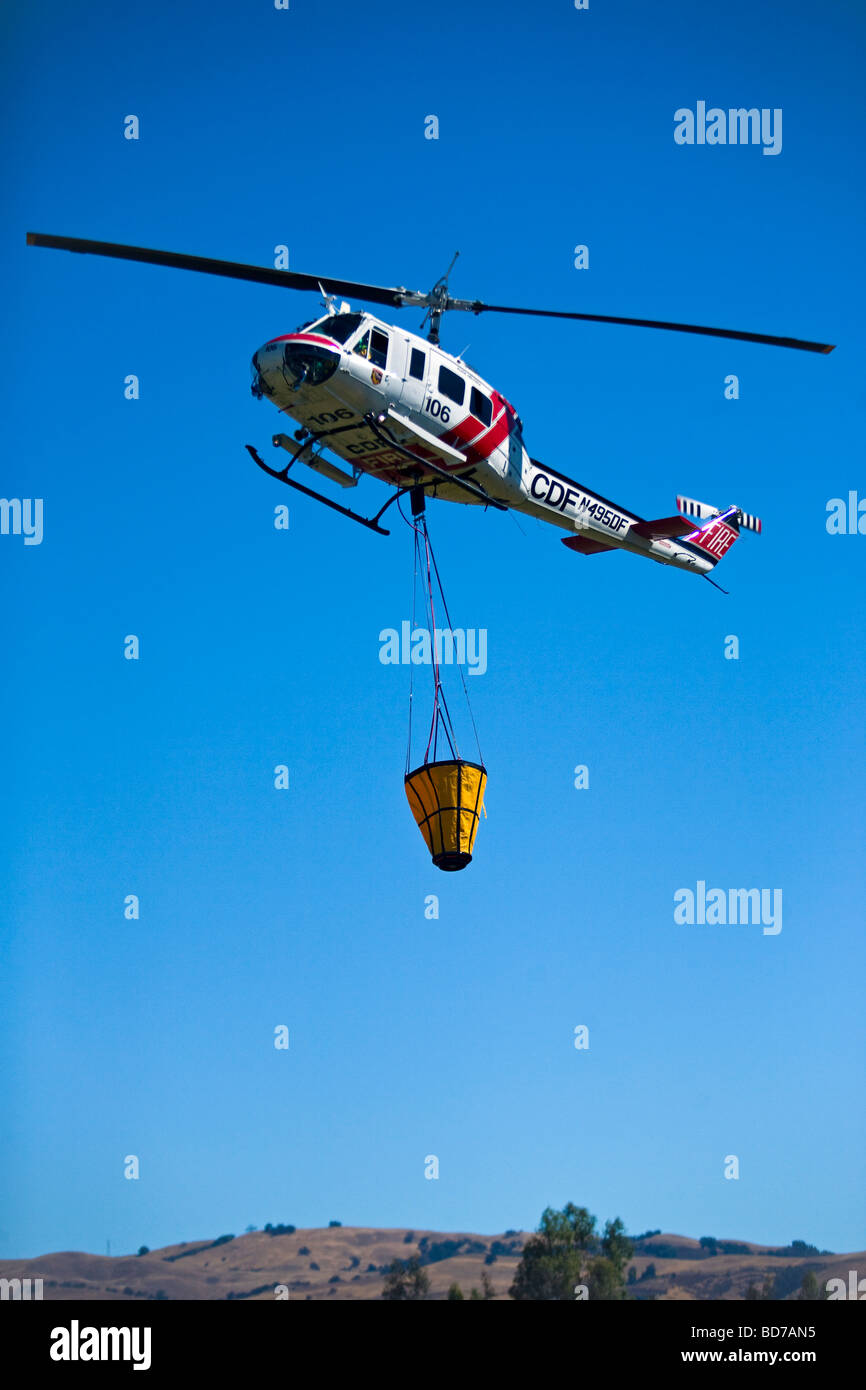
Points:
(584, 546)
(664, 527)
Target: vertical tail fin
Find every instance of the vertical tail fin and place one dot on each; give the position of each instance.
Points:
(718, 529)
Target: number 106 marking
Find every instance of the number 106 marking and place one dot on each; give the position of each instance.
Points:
(436, 408)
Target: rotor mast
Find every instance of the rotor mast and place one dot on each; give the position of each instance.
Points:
(437, 302)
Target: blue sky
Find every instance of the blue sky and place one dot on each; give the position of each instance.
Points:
(305, 907)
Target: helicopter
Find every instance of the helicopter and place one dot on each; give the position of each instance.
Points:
(395, 406)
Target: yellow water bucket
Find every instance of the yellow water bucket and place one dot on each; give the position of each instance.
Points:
(446, 800)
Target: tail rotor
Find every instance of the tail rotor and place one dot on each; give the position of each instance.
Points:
(705, 512)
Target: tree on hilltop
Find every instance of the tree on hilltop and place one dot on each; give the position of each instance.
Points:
(567, 1252)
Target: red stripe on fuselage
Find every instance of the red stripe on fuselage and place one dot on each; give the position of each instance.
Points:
(483, 445)
(462, 434)
(304, 338)
(498, 432)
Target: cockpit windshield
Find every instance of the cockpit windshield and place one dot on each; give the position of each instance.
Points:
(337, 326)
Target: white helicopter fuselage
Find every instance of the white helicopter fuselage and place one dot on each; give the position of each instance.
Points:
(341, 372)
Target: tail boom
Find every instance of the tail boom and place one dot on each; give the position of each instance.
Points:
(677, 540)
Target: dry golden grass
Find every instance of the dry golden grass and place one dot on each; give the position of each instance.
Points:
(251, 1266)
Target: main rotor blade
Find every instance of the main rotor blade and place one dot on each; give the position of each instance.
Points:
(396, 298)
(477, 307)
(234, 270)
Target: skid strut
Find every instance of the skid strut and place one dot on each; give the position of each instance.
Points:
(372, 523)
(377, 424)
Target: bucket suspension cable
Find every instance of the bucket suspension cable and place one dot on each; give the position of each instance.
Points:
(445, 794)
(441, 722)
(411, 630)
(459, 667)
(441, 717)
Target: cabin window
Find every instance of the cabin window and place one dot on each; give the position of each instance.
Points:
(417, 364)
(480, 406)
(379, 348)
(362, 347)
(451, 385)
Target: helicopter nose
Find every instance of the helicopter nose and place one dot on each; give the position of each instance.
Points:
(294, 360)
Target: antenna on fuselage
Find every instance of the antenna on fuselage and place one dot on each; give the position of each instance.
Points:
(329, 301)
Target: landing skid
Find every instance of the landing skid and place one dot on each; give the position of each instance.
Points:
(372, 523)
(376, 424)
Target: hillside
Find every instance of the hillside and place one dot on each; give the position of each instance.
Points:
(349, 1262)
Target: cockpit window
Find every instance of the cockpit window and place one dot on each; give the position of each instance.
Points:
(338, 326)
(373, 345)
(379, 348)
